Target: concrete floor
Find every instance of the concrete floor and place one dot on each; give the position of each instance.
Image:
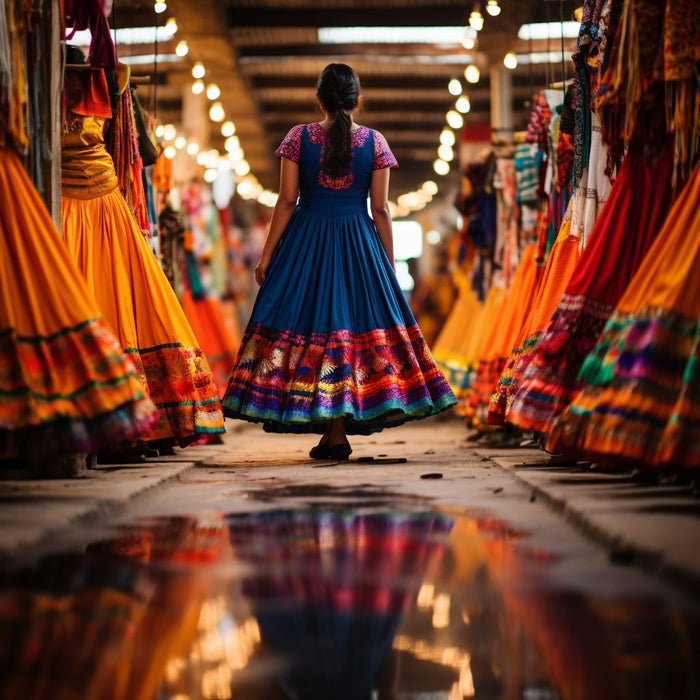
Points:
(656, 527)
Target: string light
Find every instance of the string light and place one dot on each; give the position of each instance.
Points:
(160, 7)
(242, 168)
(447, 137)
(470, 37)
(472, 74)
(454, 87)
(476, 20)
(446, 153)
(182, 49)
(198, 71)
(430, 187)
(510, 60)
(197, 87)
(463, 105)
(180, 142)
(213, 91)
(169, 152)
(228, 128)
(192, 148)
(169, 132)
(216, 112)
(493, 8)
(441, 167)
(454, 119)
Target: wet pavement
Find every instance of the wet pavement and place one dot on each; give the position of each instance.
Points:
(257, 573)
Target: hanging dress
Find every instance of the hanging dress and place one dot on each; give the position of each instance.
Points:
(640, 401)
(65, 384)
(331, 334)
(124, 276)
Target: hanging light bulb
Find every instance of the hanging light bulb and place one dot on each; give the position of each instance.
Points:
(454, 87)
(180, 142)
(213, 91)
(454, 119)
(447, 137)
(198, 71)
(232, 143)
(242, 168)
(160, 130)
(510, 60)
(228, 128)
(172, 25)
(216, 112)
(160, 7)
(446, 153)
(493, 8)
(441, 167)
(430, 187)
(463, 105)
(476, 20)
(470, 37)
(197, 87)
(182, 49)
(192, 148)
(210, 174)
(169, 152)
(472, 73)
(169, 132)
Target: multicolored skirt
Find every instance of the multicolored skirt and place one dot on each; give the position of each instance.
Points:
(139, 304)
(640, 401)
(65, 384)
(639, 202)
(332, 336)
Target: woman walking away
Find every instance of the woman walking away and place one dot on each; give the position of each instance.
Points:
(331, 346)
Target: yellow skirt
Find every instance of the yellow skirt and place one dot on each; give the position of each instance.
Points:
(65, 384)
(141, 307)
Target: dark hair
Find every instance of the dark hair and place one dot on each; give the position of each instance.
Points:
(338, 89)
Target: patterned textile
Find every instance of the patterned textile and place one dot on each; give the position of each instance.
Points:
(65, 383)
(294, 383)
(331, 333)
(639, 401)
(622, 235)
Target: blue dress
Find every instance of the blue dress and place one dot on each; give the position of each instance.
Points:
(331, 334)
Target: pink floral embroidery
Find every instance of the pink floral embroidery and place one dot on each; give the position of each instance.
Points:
(290, 147)
(335, 183)
(383, 157)
(317, 134)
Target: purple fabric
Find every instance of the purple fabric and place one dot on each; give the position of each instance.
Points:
(92, 15)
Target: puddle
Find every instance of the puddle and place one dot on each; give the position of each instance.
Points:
(386, 600)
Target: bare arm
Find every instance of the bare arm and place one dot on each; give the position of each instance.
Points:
(287, 200)
(379, 204)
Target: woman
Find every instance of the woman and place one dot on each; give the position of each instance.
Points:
(331, 346)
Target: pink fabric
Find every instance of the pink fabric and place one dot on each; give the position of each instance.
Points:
(92, 15)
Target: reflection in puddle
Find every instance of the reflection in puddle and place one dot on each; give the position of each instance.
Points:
(331, 603)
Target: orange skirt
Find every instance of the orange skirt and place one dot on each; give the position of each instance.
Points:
(219, 344)
(139, 304)
(65, 383)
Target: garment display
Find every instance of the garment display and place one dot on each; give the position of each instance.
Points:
(124, 276)
(331, 334)
(626, 228)
(639, 401)
(65, 383)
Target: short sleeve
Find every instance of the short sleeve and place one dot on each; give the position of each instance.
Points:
(290, 147)
(383, 157)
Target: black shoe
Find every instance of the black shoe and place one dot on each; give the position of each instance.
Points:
(339, 452)
(321, 451)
